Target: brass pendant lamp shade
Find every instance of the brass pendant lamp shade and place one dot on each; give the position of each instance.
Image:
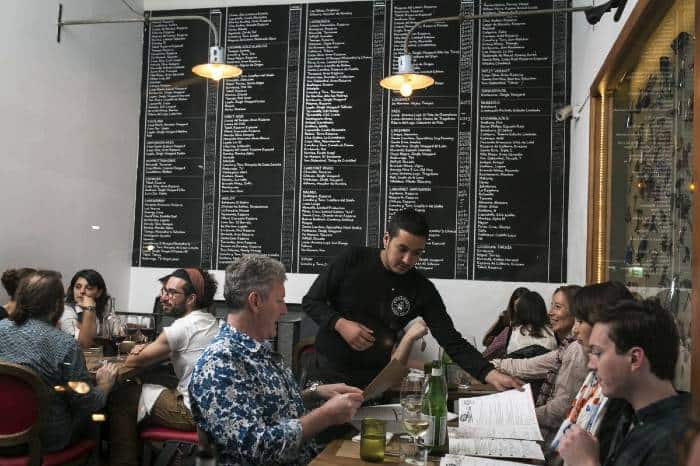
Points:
(405, 81)
(216, 69)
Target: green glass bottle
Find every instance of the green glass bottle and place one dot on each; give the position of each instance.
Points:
(435, 406)
(447, 369)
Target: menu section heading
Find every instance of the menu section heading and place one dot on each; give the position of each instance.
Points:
(305, 152)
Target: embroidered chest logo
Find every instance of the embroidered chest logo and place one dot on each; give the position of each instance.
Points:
(400, 306)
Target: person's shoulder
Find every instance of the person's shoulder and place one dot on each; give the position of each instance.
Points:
(421, 281)
(56, 338)
(575, 349)
(219, 356)
(574, 355)
(183, 322)
(354, 253)
(6, 326)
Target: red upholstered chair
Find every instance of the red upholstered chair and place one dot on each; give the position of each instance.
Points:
(171, 439)
(24, 400)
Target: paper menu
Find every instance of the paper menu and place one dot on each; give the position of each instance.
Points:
(391, 376)
(460, 460)
(505, 415)
(496, 448)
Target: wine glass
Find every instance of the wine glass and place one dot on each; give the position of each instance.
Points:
(414, 421)
(117, 331)
(133, 328)
(148, 327)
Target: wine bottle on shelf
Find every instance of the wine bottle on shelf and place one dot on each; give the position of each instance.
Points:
(435, 408)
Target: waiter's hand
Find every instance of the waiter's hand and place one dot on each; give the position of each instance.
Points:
(355, 334)
(503, 381)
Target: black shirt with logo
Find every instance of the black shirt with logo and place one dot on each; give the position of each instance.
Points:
(357, 286)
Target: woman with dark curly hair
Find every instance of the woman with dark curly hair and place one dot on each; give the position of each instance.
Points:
(87, 302)
(10, 279)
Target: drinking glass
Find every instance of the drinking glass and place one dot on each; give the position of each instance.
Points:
(117, 330)
(414, 421)
(148, 328)
(133, 328)
(372, 440)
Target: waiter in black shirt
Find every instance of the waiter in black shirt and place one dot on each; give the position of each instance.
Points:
(365, 298)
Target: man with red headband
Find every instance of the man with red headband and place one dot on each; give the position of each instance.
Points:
(186, 294)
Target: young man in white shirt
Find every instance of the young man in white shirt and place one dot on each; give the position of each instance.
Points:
(187, 295)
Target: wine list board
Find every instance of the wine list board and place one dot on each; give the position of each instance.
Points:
(305, 153)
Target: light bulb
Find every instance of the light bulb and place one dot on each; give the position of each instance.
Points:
(406, 89)
(692, 186)
(217, 73)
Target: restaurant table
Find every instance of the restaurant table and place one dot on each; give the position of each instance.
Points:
(344, 452)
(123, 373)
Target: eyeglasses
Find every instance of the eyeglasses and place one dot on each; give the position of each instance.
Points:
(170, 292)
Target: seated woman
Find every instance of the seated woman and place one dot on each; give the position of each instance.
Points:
(530, 324)
(563, 369)
(591, 410)
(10, 280)
(551, 410)
(29, 337)
(87, 302)
(496, 337)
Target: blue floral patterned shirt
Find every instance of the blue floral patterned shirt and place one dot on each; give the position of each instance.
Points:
(244, 396)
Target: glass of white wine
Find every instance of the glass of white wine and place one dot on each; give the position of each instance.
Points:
(414, 421)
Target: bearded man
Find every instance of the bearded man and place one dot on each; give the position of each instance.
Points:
(186, 294)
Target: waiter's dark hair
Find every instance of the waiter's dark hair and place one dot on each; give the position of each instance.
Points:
(409, 220)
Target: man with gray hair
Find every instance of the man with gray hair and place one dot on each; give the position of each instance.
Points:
(241, 392)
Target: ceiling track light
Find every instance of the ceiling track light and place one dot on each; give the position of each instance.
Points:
(216, 67)
(406, 80)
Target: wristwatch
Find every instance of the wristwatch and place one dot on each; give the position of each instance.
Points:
(90, 308)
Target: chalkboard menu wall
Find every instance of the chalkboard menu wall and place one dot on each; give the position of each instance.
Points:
(306, 153)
